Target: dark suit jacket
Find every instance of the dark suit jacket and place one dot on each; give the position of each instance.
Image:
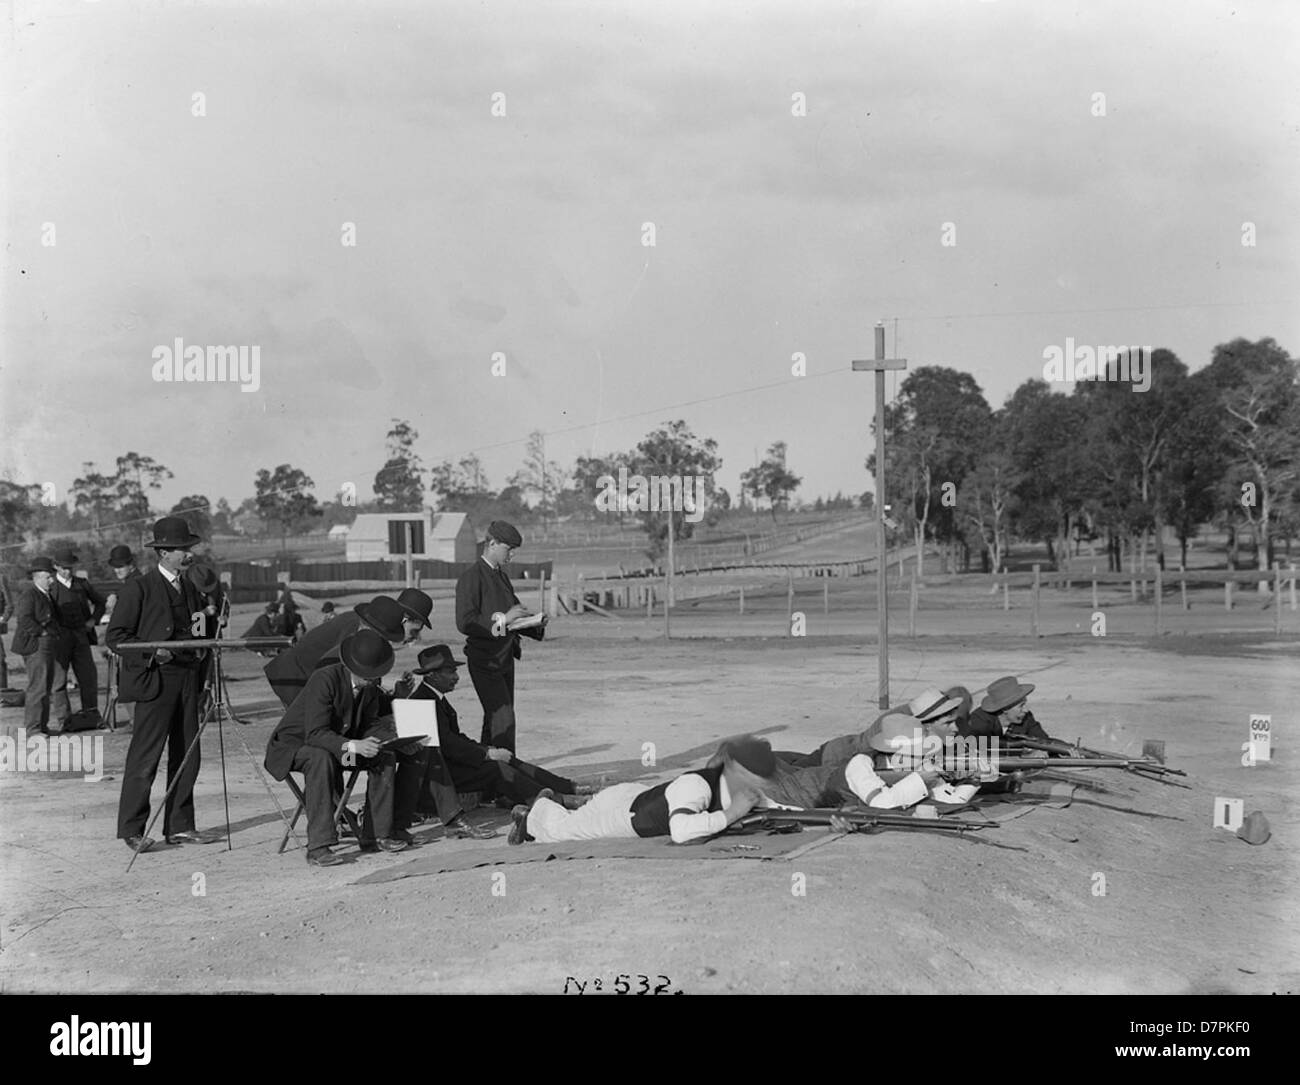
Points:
(144, 612)
(294, 666)
(456, 747)
(78, 605)
(988, 725)
(34, 616)
(482, 591)
(324, 715)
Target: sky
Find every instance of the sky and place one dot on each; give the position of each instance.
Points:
(191, 170)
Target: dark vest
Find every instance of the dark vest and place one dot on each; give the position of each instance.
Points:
(650, 811)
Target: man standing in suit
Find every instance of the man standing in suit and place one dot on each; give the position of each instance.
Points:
(330, 724)
(40, 639)
(288, 672)
(474, 766)
(79, 607)
(122, 562)
(6, 608)
(486, 604)
(165, 685)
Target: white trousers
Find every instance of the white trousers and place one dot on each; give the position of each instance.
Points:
(608, 814)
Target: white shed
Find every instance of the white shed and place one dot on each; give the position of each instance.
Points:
(382, 536)
(339, 532)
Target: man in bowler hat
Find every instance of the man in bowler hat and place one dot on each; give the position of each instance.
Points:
(165, 685)
(288, 672)
(40, 639)
(79, 608)
(337, 721)
(486, 604)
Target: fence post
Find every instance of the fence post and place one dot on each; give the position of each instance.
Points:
(541, 594)
(789, 598)
(582, 595)
(649, 601)
(1227, 595)
(1293, 586)
(1182, 586)
(1160, 602)
(1006, 589)
(826, 596)
(1037, 587)
(742, 599)
(1095, 607)
(1133, 590)
(911, 609)
(1277, 597)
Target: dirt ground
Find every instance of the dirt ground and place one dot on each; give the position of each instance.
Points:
(1187, 907)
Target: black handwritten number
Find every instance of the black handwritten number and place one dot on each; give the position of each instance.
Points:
(646, 981)
(661, 988)
(597, 983)
(621, 978)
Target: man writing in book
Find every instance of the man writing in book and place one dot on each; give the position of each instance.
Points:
(486, 608)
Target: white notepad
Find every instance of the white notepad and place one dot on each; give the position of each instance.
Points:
(417, 719)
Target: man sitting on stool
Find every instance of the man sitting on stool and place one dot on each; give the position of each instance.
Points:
(474, 767)
(327, 727)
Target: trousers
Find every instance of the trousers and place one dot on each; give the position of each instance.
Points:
(47, 686)
(170, 721)
(495, 686)
(607, 815)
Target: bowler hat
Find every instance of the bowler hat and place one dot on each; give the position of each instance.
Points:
(120, 556)
(752, 753)
(366, 654)
(435, 658)
(504, 532)
(930, 703)
(327, 608)
(384, 615)
(417, 604)
(40, 565)
(172, 533)
(1004, 693)
(66, 556)
(204, 578)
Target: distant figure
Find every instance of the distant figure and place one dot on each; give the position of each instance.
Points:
(327, 612)
(79, 608)
(267, 624)
(42, 642)
(291, 623)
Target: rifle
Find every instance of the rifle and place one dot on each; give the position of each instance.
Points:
(1149, 769)
(861, 819)
(1143, 766)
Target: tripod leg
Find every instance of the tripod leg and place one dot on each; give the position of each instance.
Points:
(180, 773)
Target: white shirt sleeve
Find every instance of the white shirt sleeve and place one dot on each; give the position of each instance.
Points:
(871, 789)
(688, 803)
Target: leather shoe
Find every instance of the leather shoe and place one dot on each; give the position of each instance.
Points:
(463, 830)
(519, 826)
(405, 837)
(392, 844)
(323, 857)
(139, 843)
(191, 836)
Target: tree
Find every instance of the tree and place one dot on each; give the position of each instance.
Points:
(460, 485)
(1256, 385)
(197, 512)
(136, 476)
(771, 478)
(932, 430)
(282, 500)
(94, 497)
(539, 478)
(674, 450)
(987, 493)
(221, 518)
(1197, 463)
(398, 485)
(19, 511)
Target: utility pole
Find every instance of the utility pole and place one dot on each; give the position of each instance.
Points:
(878, 365)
